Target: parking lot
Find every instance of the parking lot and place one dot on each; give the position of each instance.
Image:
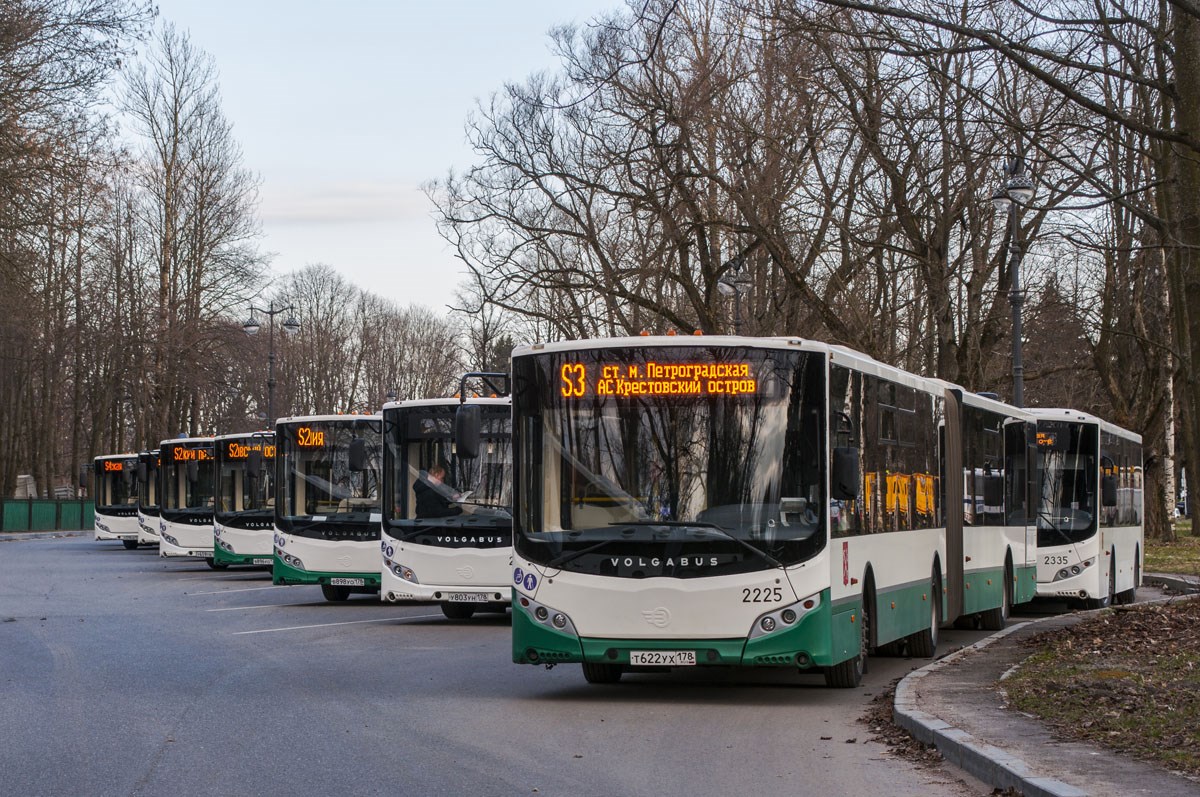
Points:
(127, 674)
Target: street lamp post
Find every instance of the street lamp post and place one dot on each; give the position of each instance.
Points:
(290, 326)
(733, 283)
(1012, 196)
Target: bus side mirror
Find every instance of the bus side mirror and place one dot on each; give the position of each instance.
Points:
(358, 454)
(193, 471)
(993, 490)
(1108, 490)
(142, 472)
(845, 478)
(254, 461)
(467, 423)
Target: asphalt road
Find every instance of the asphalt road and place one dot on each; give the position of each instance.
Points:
(126, 674)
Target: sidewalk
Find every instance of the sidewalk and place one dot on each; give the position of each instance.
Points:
(957, 705)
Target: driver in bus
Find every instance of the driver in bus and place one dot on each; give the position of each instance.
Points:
(434, 497)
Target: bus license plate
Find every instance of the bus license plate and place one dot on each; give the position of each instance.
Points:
(662, 658)
(348, 582)
(467, 597)
(260, 561)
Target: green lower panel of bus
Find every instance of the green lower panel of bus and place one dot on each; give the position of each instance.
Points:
(1026, 584)
(223, 557)
(283, 573)
(810, 642)
(983, 590)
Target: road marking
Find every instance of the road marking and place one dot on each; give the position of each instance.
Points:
(261, 606)
(243, 589)
(347, 622)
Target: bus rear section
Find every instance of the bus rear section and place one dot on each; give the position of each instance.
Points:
(186, 487)
(447, 533)
(244, 516)
(327, 510)
(114, 477)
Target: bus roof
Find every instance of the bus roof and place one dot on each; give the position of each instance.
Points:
(450, 401)
(187, 441)
(1078, 416)
(242, 435)
(132, 455)
(328, 418)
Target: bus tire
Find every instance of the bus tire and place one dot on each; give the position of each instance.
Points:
(849, 673)
(995, 619)
(601, 673)
(334, 593)
(130, 545)
(923, 643)
(458, 611)
(214, 564)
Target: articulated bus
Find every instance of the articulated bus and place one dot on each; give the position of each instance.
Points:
(185, 489)
(447, 527)
(1090, 534)
(327, 508)
(999, 543)
(115, 497)
(753, 502)
(244, 517)
(147, 505)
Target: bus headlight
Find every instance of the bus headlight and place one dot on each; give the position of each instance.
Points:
(784, 617)
(405, 573)
(1074, 570)
(545, 615)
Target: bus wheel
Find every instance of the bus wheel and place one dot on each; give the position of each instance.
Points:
(130, 545)
(333, 593)
(923, 644)
(214, 564)
(458, 611)
(849, 674)
(994, 619)
(601, 673)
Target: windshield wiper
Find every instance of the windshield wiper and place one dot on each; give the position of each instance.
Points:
(1050, 522)
(713, 526)
(571, 556)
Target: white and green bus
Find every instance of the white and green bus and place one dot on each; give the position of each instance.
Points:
(186, 485)
(1090, 533)
(244, 515)
(447, 526)
(115, 495)
(728, 501)
(327, 507)
(147, 505)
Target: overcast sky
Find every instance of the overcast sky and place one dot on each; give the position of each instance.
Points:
(345, 108)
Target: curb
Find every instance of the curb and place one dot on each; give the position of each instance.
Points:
(1184, 585)
(992, 765)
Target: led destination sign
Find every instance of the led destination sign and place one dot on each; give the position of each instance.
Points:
(657, 379)
(191, 454)
(238, 450)
(111, 465)
(307, 437)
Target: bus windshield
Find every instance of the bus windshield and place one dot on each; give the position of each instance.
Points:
(1067, 467)
(187, 477)
(148, 480)
(705, 459)
(246, 475)
(116, 482)
(429, 484)
(330, 469)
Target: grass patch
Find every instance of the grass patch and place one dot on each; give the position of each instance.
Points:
(1127, 679)
(1181, 556)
